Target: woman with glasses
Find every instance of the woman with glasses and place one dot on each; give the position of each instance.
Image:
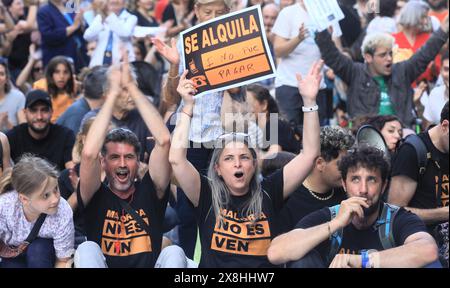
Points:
(32, 72)
(235, 209)
(12, 101)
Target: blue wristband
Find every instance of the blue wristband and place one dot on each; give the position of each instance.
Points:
(365, 259)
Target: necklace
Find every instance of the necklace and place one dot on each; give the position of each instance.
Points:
(319, 198)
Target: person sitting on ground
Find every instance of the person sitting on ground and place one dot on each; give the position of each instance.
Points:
(355, 225)
(233, 193)
(27, 192)
(40, 137)
(123, 200)
(425, 192)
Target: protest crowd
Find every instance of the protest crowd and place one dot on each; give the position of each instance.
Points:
(325, 146)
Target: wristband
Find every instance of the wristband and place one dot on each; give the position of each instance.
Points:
(310, 109)
(365, 263)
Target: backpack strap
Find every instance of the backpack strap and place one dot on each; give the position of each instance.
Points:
(421, 151)
(385, 225)
(37, 226)
(1, 155)
(336, 237)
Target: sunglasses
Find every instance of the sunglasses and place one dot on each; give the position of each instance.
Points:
(226, 138)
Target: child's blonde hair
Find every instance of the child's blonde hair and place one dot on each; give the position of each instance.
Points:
(27, 175)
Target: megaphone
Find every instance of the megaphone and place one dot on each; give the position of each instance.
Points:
(369, 135)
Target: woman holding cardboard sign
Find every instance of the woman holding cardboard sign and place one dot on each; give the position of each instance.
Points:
(206, 124)
(234, 208)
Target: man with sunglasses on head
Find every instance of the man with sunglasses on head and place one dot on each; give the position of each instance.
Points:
(380, 87)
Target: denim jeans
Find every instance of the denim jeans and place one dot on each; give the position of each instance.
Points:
(39, 254)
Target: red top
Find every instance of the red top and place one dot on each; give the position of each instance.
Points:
(405, 50)
(159, 9)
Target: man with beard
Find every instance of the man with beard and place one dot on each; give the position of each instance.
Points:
(125, 213)
(40, 137)
(364, 173)
(380, 87)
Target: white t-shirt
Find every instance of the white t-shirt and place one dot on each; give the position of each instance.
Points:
(434, 105)
(14, 227)
(302, 58)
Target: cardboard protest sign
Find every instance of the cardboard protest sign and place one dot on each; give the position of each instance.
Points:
(324, 13)
(228, 51)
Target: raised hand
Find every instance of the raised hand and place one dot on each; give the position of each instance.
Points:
(115, 79)
(186, 89)
(168, 52)
(309, 86)
(126, 78)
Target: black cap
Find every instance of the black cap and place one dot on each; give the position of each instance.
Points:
(37, 96)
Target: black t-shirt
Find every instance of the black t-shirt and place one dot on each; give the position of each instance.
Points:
(406, 164)
(56, 147)
(354, 240)
(112, 227)
(286, 138)
(301, 203)
(236, 243)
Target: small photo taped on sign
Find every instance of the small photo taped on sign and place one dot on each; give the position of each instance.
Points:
(227, 52)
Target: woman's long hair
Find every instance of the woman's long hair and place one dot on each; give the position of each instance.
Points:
(8, 77)
(52, 89)
(220, 192)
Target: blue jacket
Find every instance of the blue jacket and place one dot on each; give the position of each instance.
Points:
(52, 25)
